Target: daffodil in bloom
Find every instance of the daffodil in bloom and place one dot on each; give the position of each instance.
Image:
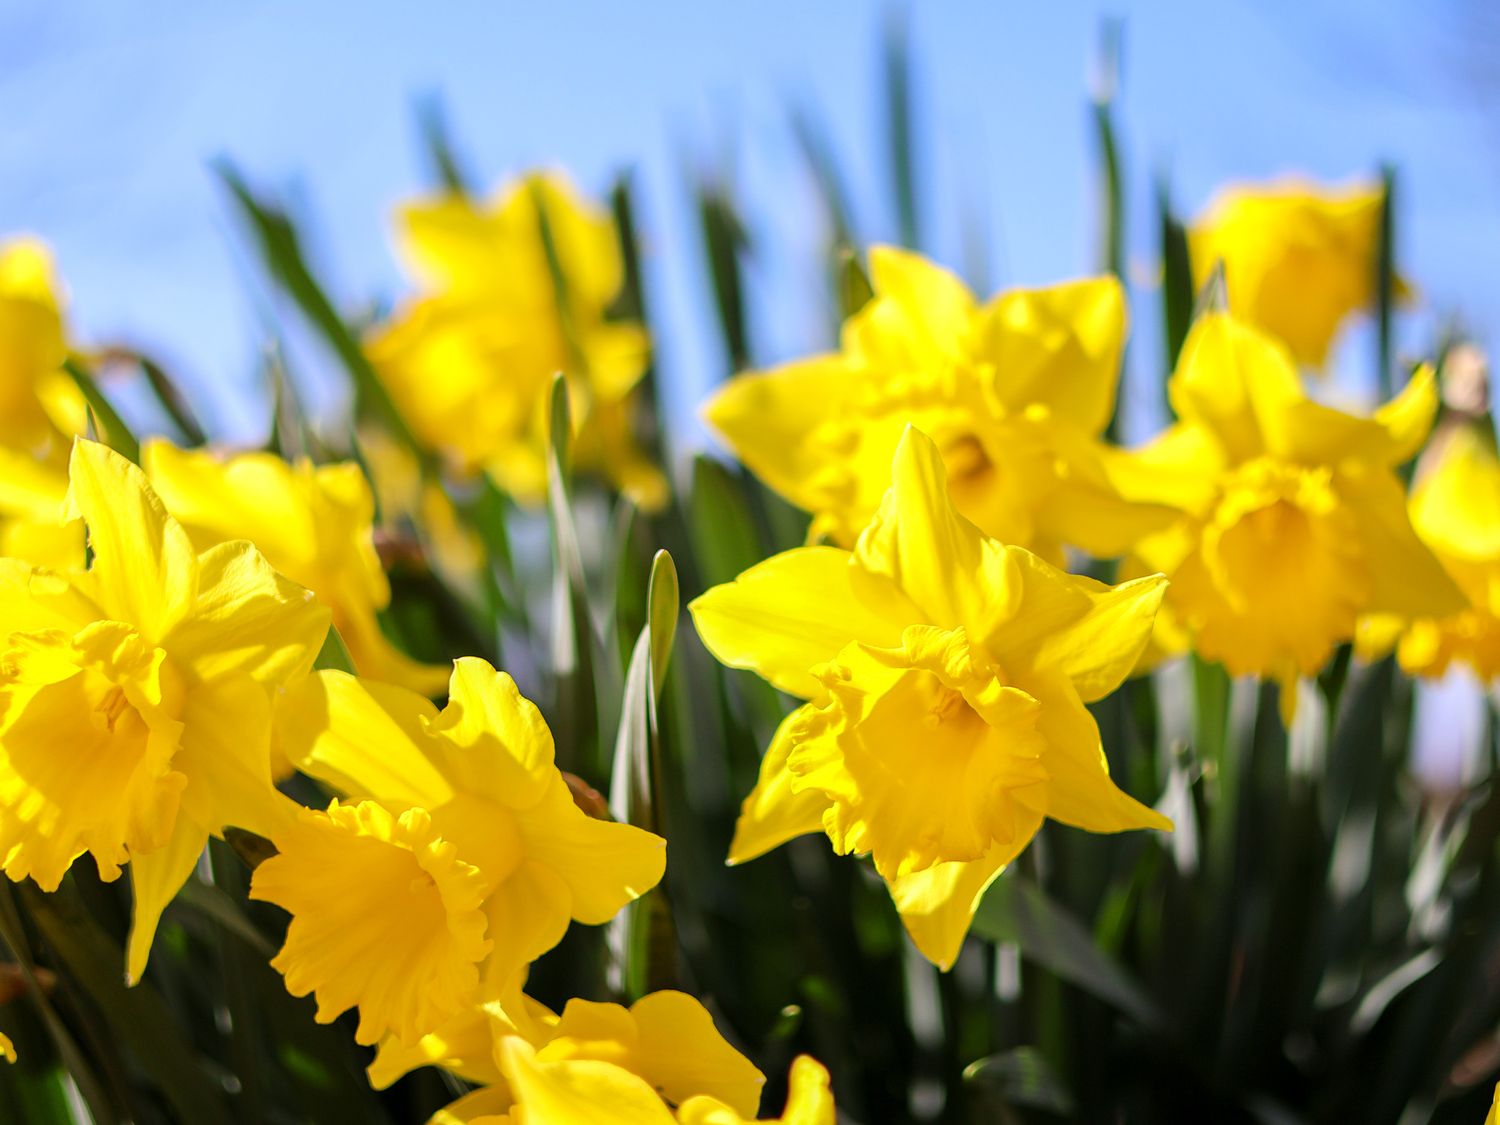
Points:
(456, 855)
(1299, 258)
(809, 1101)
(470, 362)
(1294, 523)
(7, 1048)
(315, 524)
(40, 407)
(1015, 393)
(135, 696)
(40, 410)
(1455, 509)
(663, 1050)
(946, 675)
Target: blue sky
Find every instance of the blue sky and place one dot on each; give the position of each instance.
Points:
(112, 112)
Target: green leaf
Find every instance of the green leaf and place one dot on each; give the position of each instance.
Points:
(896, 57)
(1176, 282)
(334, 654)
(725, 243)
(437, 144)
(113, 431)
(1016, 910)
(1022, 1077)
(573, 643)
(136, 1016)
(281, 251)
(1385, 285)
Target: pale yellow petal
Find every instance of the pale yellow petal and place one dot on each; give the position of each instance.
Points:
(225, 754)
(528, 915)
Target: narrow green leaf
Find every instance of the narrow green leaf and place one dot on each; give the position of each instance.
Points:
(1016, 910)
(437, 144)
(136, 1015)
(896, 57)
(855, 290)
(113, 431)
(281, 251)
(334, 654)
(573, 644)
(725, 243)
(1177, 280)
(1385, 286)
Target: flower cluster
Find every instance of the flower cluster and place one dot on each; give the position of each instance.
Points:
(187, 642)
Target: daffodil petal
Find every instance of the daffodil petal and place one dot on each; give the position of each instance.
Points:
(1079, 790)
(774, 813)
(937, 905)
(681, 1053)
(486, 1106)
(788, 614)
(921, 545)
(248, 619)
(156, 877)
(492, 740)
(144, 565)
(604, 865)
(367, 739)
(575, 1091)
(528, 915)
(225, 755)
(462, 1044)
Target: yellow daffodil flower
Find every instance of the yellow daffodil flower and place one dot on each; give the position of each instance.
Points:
(314, 524)
(135, 709)
(596, 1059)
(40, 407)
(40, 410)
(946, 675)
(1015, 393)
(7, 1048)
(1493, 1117)
(809, 1101)
(1294, 523)
(1455, 509)
(470, 362)
(458, 850)
(1298, 258)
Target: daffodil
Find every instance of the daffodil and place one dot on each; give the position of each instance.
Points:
(1455, 509)
(1299, 258)
(1294, 524)
(40, 407)
(470, 362)
(313, 523)
(809, 1101)
(7, 1048)
(597, 1059)
(135, 696)
(457, 853)
(40, 410)
(1493, 1117)
(1015, 393)
(946, 675)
